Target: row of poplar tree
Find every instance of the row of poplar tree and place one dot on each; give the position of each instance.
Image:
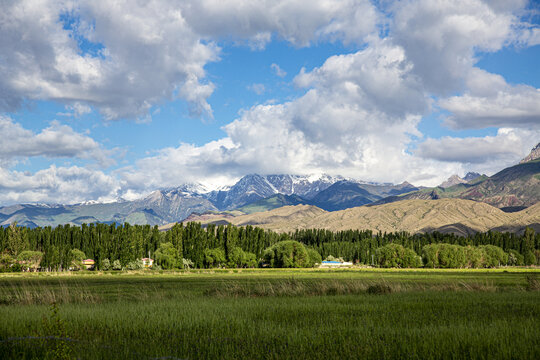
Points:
(197, 245)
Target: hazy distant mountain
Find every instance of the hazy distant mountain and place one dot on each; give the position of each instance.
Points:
(251, 193)
(347, 194)
(160, 207)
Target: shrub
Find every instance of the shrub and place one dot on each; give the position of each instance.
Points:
(515, 258)
(76, 258)
(286, 254)
(106, 265)
(135, 265)
(116, 265)
(186, 264)
(395, 255)
(495, 256)
(314, 257)
(8, 263)
(30, 259)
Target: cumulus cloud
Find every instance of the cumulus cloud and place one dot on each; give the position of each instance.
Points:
(55, 141)
(491, 102)
(147, 53)
(122, 58)
(357, 117)
(339, 126)
(441, 38)
(298, 22)
(66, 185)
(493, 152)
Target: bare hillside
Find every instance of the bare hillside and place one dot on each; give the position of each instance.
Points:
(449, 215)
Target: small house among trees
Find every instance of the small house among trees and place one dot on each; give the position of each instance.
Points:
(88, 264)
(147, 262)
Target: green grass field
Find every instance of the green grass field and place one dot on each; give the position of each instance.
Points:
(272, 314)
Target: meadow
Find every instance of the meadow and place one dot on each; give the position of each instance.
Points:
(272, 314)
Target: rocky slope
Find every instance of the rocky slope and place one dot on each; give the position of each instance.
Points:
(455, 179)
(534, 154)
(252, 188)
(513, 188)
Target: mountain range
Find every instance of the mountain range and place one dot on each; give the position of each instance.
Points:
(512, 189)
(461, 217)
(251, 193)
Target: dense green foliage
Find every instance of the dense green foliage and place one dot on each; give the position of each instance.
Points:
(239, 258)
(287, 254)
(395, 255)
(167, 256)
(455, 256)
(191, 245)
(214, 258)
(291, 254)
(423, 314)
(29, 259)
(359, 246)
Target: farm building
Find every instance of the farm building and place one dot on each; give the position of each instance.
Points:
(88, 263)
(147, 262)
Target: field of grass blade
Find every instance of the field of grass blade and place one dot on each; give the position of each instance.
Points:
(272, 315)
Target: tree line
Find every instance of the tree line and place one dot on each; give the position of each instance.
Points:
(114, 246)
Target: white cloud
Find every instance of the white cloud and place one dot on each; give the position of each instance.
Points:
(299, 22)
(339, 126)
(278, 71)
(491, 102)
(150, 52)
(55, 141)
(76, 110)
(65, 185)
(441, 38)
(486, 154)
(357, 117)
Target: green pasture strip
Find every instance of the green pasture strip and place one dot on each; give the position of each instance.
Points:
(137, 286)
(417, 325)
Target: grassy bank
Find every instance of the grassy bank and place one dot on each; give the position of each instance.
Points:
(272, 315)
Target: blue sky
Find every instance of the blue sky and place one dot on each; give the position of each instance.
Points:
(101, 101)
